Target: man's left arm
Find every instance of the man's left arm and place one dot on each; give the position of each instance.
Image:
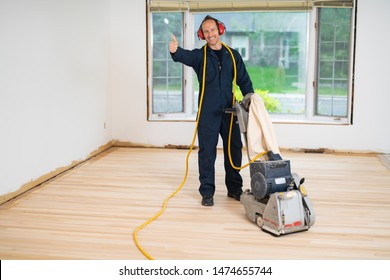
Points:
(243, 79)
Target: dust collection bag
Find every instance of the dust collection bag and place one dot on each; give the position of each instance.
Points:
(261, 136)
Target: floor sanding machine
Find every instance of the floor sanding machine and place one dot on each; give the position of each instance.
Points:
(277, 201)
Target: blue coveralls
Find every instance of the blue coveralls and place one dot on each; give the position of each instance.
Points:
(213, 120)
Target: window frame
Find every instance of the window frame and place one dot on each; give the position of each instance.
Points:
(309, 117)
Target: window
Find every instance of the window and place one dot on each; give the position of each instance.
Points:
(167, 94)
(274, 48)
(334, 26)
(241, 44)
(299, 55)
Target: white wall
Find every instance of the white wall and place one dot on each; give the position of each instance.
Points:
(69, 66)
(129, 81)
(369, 132)
(54, 86)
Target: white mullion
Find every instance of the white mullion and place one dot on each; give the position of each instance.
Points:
(187, 71)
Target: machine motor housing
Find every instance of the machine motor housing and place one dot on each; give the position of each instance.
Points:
(268, 177)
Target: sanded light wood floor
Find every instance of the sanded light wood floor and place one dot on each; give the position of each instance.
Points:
(91, 211)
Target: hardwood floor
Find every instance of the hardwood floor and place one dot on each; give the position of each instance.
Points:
(91, 211)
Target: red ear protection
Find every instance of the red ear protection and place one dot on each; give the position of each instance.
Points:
(220, 25)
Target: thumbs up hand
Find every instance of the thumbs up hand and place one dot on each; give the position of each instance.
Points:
(173, 45)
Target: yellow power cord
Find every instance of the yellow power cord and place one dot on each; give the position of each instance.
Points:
(158, 214)
(231, 119)
(186, 172)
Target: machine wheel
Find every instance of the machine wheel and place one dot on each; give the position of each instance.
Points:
(259, 221)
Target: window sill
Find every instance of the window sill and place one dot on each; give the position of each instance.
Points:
(276, 119)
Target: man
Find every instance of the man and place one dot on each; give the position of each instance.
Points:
(213, 121)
